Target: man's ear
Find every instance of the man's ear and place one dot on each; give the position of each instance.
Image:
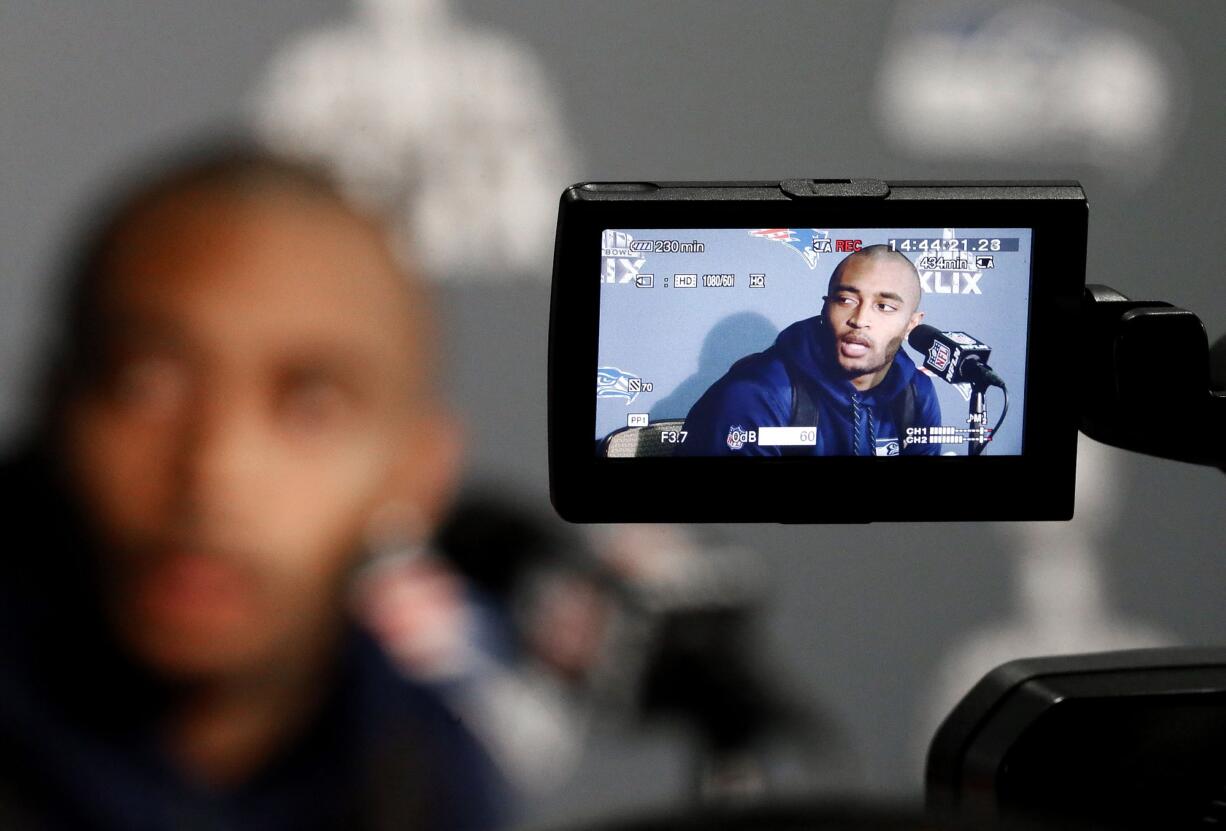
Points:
(917, 318)
(426, 472)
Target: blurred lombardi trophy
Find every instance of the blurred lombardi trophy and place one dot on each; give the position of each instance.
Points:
(1061, 599)
(450, 134)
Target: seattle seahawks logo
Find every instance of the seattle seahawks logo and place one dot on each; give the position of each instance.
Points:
(612, 382)
(887, 447)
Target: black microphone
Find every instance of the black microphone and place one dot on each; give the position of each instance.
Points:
(955, 357)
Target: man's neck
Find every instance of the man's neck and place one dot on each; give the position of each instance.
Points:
(864, 383)
(222, 731)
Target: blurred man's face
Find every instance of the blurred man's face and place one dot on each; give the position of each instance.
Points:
(870, 308)
(262, 395)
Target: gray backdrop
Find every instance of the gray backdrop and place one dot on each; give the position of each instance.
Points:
(680, 90)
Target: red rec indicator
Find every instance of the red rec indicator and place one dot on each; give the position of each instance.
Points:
(847, 245)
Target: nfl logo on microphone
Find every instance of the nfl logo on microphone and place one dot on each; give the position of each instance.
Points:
(938, 356)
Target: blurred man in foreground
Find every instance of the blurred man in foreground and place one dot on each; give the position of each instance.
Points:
(241, 401)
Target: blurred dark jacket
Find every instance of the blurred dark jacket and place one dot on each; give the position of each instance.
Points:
(78, 747)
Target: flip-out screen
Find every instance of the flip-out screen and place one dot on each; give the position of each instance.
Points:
(720, 342)
(816, 350)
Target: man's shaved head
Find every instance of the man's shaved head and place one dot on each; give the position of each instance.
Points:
(882, 254)
(229, 178)
(872, 304)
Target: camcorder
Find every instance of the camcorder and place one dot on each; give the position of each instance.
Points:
(846, 350)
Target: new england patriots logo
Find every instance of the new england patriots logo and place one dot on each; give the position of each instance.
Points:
(612, 382)
(809, 243)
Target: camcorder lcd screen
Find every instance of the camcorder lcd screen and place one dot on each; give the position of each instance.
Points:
(816, 350)
(770, 342)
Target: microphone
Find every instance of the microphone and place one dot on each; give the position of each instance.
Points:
(955, 357)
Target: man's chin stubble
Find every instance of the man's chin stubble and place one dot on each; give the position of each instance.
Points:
(857, 373)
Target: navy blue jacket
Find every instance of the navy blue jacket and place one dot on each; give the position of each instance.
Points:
(758, 392)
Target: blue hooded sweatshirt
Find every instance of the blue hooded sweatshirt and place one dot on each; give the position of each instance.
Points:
(758, 392)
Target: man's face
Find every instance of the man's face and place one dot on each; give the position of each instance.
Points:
(869, 310)
(261, 397)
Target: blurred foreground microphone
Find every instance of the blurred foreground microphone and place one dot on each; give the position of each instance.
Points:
(955, 357)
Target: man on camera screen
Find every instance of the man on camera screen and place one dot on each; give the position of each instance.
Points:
(841, 372)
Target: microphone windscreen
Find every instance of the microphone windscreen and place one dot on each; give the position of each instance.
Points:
(922, 336)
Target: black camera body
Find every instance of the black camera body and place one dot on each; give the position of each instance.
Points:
(816, 351)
